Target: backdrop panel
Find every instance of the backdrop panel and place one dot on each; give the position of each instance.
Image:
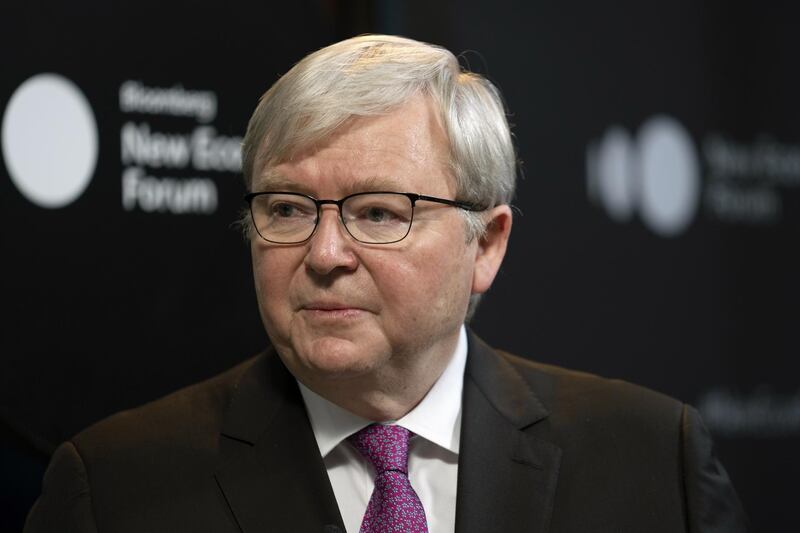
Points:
(654, 236)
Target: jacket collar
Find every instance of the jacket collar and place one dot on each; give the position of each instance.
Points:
(506, 476)
(271, 473)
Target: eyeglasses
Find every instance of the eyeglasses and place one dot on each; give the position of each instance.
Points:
(369, 217)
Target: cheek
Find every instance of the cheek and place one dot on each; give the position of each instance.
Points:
(425, 283)
(272, 276)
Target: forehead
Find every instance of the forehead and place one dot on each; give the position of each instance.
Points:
(405, 150)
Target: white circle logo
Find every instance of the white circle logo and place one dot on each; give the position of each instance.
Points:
(614, 164)
(49, 140)
(670, 177)
(657, 174)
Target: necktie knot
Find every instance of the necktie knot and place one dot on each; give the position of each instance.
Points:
(384, 446)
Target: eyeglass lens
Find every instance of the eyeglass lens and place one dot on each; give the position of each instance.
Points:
(375, 218)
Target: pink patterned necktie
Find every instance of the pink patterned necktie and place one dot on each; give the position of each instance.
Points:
(394, 506)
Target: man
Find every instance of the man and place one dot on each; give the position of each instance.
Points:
(381, 176)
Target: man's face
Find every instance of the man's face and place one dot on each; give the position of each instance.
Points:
(336, 308)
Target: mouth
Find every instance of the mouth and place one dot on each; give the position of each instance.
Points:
(332, 310)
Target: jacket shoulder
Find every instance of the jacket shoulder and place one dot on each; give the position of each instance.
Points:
(119, 473)
(595, 398)
(648, 455)
(191, 416)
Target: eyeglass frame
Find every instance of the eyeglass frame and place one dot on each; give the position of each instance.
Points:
(413, 198)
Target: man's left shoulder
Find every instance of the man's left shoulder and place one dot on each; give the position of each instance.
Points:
(595, 398)
(647, 452)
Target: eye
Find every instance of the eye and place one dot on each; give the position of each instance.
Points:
(283, 210)
(379, 214)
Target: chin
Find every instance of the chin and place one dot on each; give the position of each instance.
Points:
(337, 358)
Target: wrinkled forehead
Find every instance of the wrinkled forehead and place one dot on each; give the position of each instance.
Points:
(419, 112)
(402, 151)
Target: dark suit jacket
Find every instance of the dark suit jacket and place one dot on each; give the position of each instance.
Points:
(543, 449)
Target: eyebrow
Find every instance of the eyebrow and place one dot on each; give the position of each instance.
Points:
(271, 180)
(277, 181)
(375, 183)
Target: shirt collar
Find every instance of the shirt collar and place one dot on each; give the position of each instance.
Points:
(436, 418)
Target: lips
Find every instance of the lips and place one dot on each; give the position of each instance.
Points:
(328, 306)
(332, 309)
(326, 311)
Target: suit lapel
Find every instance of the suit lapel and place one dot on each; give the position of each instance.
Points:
(271, 473)
(506, 477)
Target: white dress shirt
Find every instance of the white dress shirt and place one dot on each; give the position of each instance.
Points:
(432, 457)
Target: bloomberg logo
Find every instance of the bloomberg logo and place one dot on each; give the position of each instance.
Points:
(655, 174)
(49, 139)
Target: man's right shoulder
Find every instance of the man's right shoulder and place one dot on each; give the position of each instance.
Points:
(191, 416)
(117, 474)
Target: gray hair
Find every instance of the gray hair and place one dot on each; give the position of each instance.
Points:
(370, 75)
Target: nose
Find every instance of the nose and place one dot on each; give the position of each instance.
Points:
(330, 248)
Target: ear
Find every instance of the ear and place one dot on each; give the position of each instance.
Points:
(491, 248)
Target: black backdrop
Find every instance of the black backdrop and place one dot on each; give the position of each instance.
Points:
(657, 208)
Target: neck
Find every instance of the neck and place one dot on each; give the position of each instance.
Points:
(390, 392)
